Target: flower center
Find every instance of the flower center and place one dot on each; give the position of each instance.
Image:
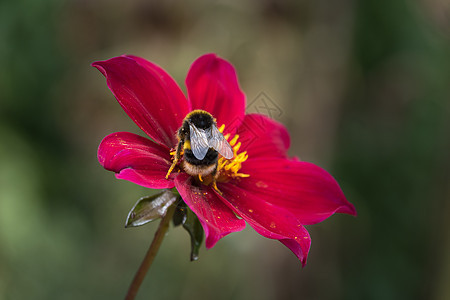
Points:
(229, 168)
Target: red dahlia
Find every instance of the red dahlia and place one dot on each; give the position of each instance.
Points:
(260, 185)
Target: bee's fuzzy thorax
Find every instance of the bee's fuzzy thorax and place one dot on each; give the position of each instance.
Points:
(202, 119)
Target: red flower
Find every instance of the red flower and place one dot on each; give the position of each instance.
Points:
(276, 195)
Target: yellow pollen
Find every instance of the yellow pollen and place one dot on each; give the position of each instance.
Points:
(172, 153)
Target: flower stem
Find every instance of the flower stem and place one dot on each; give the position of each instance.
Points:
(151, 253)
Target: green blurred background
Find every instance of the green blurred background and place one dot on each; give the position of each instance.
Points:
(363, 86)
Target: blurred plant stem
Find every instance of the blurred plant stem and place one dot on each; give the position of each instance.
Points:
(151, 253)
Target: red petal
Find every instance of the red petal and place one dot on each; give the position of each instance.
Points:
(216, 218)
(136, 159)
(304, 189)
(212, 85)
(267, 219)
(149, 96)
(263, 137)
(297, 248)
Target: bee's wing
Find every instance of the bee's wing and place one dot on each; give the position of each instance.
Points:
(199, 142)
(219, 143)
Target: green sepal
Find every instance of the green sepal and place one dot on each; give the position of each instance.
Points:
(179, 216)
(195, 229)
(150, 208)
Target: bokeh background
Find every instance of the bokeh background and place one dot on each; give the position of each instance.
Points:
(362, 85)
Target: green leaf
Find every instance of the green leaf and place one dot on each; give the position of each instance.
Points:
(195, 229)
(150, 208)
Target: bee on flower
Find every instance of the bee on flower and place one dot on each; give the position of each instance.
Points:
(230, 168)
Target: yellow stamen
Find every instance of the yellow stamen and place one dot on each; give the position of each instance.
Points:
(236, 148)
(233, 141)
(221, 128)
(228, 168)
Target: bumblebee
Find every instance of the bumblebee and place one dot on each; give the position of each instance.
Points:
(201, 142)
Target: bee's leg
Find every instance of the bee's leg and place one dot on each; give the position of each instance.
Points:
(214, 176)
(177, 158)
